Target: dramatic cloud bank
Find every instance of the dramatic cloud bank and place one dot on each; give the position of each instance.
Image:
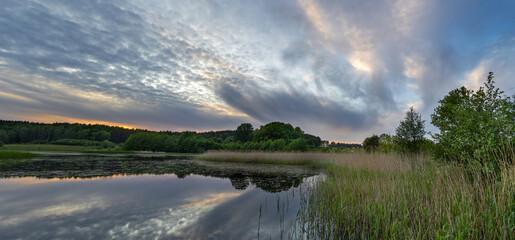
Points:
(339, 69)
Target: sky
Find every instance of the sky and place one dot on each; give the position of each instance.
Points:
(342, 70)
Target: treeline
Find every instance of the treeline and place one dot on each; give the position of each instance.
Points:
(29, 132)
(476, 129)
(275, 136)
(12, 132)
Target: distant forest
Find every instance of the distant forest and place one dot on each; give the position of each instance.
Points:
(275, 136)
(29, 132)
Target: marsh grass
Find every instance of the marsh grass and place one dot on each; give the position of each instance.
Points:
(260, 157)
(385, 196)
(407, 197)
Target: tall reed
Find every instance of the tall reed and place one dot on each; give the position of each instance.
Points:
(385, 196)
(381, 196)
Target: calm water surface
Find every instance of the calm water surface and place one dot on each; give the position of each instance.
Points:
(106, 197)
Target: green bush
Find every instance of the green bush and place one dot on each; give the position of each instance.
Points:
(410, 132)
(299, 144)
(475, 127)
(1, 143)
(76, 142)
(371, 144)
(108, 144)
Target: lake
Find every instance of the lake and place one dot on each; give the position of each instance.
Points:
(142, 197)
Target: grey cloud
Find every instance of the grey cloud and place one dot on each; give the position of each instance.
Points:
(173, 57)
(44, 38)
(294, 107)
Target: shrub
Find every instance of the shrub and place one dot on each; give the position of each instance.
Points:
(371, 143)
(108, 144)
(76, 142)
(475, 127)
(299, 144)
(410, 132)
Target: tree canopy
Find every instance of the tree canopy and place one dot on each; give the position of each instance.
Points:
(474, 125)
(244, 132)
(277, 130)
(410, 132)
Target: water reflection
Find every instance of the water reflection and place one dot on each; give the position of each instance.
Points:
(186, 200)
(267, 177)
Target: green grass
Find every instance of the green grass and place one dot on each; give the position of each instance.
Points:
(62, 148)
(47, 148)
(16, 155)
(109, 151)
(79, 149)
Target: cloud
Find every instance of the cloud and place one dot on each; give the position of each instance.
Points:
(205, 65)
(292, 106)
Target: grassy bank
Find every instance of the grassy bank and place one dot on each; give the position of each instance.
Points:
(16, 155)
(385, 196)
(47, 148)
(63, 148)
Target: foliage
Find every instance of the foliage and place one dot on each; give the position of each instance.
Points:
(24, 132)
(1, 143)
(299, 144)
(82, 142)
(312, 141)
(371, 143)
(475, 127)
(187, 142)
(244, 132)
(410, 132)
(3, 136)
(275, 136)
(387, 143)
(277, 130)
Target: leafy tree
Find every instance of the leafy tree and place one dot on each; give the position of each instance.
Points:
(386, 143)
(3, 136)
(278, 145)
(371, 143)
(277, 130)
(1, 143)
(475, 127)
(244, 132)
(312, 141)
(299, 144)
(101, 135)
(410, 132)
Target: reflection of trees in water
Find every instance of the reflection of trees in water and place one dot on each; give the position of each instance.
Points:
(104, 166)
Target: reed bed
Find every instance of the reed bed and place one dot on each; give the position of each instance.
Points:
(407, 197)
(294, 158)
(354, 160)
(389, 196)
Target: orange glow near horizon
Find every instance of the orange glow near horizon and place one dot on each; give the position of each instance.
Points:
(48, 118)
